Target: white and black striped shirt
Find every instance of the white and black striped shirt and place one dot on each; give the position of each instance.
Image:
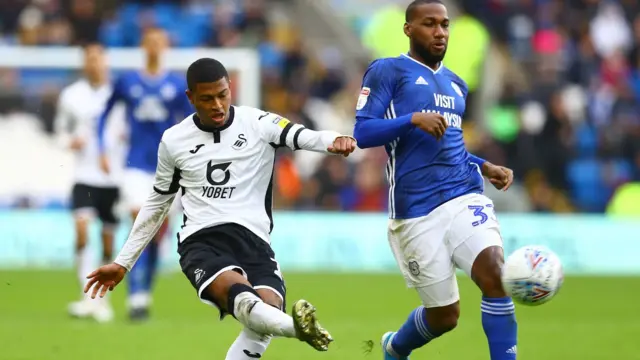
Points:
(224, 175)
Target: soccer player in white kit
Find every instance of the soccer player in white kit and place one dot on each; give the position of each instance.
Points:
(94, 193)
(221, 159)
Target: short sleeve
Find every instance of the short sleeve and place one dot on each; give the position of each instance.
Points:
(377, 90)
(167, 178)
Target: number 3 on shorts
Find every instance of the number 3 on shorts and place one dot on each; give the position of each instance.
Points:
(479, 212)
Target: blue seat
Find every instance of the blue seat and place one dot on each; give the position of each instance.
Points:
(111, 33)
(588, 190)
(586, 140)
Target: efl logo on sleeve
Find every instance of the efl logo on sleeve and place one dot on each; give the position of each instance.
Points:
(283, 122)
(362, 99)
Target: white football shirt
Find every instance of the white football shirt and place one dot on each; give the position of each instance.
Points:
(224, 175)
(79, 107)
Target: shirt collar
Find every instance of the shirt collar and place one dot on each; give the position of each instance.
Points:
(196, 121)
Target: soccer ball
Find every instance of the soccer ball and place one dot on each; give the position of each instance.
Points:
(532, 275)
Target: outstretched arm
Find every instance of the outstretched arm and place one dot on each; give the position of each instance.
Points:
(373, 132)
(280, 132)
(145, 227)
(154, 210)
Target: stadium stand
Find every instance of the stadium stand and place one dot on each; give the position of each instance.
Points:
(570, 125)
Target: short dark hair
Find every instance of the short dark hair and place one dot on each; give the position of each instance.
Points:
(205, 70)
(410, 12)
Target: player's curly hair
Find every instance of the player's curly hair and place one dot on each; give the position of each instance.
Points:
(205, 70)
(410, 12)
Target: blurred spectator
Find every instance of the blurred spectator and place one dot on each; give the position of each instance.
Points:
(85, 21)
(579, 113)
(368, 192)
(609, 29)
(570, 128)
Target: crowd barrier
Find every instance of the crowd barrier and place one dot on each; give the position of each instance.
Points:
(311, 241)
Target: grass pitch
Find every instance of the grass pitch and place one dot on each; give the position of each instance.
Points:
(592, 318)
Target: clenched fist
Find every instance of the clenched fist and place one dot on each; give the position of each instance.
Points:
(431, 123)
(343, 145)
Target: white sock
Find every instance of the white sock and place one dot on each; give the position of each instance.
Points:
(253, 313)
(139, 300)
(249, 345)
(84, 265)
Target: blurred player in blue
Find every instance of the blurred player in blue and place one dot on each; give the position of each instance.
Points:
(439, 219)
(154, 101)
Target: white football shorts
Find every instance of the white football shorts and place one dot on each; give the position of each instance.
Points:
(136, 187)
(428, 249)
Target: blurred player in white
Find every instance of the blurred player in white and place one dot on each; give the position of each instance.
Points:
(222, 159)
(94, 193)
(154, 102)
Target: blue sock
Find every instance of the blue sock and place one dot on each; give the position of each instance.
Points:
(413, 334)
(138, 276)
(152, 265)
(500, 326)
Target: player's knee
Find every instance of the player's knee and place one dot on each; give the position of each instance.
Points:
(443, 319)
(82, 227)
(486, 271)
(271, 298)
(108, 230)
(241, 300)
(107, 242)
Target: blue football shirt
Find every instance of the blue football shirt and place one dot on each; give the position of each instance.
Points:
(153, 104)
(423, 172)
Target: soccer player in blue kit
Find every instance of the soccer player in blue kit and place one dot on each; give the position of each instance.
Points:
(154, 101)
(439, 219)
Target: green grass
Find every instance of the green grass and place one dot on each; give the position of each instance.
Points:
(592, 318)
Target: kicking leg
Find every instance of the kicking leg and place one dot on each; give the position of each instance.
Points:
(482, 257)
(210, 259)
(235, 295)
